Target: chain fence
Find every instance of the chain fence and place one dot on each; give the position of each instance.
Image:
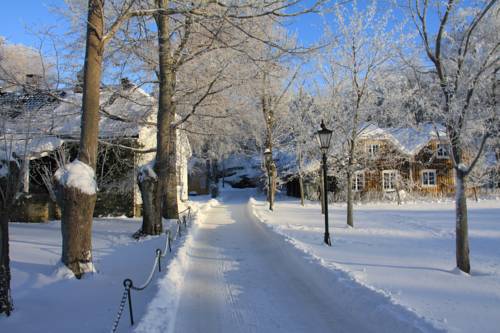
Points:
(128, 284)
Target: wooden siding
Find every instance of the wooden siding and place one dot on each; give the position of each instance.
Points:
(409, 168)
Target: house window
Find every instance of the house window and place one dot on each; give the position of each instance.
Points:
(358, 183)
(373, 149)
(442, 150)
(389, 179)
(429, 178)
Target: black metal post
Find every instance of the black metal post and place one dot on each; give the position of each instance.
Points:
(325, 195)
(127, 283)
(158, 255)
(269, 191)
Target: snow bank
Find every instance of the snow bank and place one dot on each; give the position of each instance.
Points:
(163, 308)
(405, 253)
(77, 175)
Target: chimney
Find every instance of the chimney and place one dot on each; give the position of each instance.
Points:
(126, 84)
(79, 82)
(33, 81)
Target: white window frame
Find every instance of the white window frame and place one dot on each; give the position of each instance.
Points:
(428, 171)
(393, 182)
(442, 151)
(371, 151)
(356, 184)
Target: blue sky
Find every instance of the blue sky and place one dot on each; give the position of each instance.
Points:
(18, 17)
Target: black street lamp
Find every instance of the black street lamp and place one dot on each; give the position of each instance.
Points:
(268, 158)
(324, 135)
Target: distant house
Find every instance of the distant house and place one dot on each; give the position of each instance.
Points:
(404, 159)
(396, 161)
(44, 128)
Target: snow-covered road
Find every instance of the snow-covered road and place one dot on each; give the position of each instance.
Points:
(240, 276)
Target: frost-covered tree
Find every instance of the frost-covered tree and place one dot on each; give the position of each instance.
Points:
(22, 66)
(464, 51)
(76, 181)
(366, 42)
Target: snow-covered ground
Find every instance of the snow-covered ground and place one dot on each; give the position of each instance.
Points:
(394, 272)
(405, 253)
(235, 275)
(47, 298)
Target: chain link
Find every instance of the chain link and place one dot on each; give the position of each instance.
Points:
(120, 311)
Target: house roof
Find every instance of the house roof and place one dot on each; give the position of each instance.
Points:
(409, 140)
(40, 122)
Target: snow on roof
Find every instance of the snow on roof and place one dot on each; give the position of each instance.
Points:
(409, 140)
(45, 120)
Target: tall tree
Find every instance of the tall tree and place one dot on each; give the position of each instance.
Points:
(76, 181)
(364, 44)
(464, 51)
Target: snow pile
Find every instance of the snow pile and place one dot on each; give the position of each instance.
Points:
(407, 254)
(77, 175)
(147, 172)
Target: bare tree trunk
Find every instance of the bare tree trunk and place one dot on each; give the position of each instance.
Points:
(171, 207)
(398, 197)
(462, 237)
(5, 277)
(151, 219)
(166, 114)
(274, 183)
(350, 163)
(301, 179)
(350, 219)
(301, 187)
(78, 207)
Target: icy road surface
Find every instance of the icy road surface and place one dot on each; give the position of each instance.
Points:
(236, 275)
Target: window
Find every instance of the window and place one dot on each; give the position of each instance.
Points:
(442, 150)
(428, 177)
(389, 178)
(358, 183)
(373, 149)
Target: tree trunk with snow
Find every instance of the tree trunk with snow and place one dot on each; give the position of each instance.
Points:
(78, 207)
(76, 230)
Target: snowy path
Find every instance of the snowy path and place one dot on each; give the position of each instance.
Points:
(242, 277)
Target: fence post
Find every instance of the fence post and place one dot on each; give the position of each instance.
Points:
(127, 283)
(158, 255)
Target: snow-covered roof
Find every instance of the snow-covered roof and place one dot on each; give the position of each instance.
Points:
(409, 140)
(46, 119)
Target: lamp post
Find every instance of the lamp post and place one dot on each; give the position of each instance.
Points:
(268, 158)
(324, 135)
